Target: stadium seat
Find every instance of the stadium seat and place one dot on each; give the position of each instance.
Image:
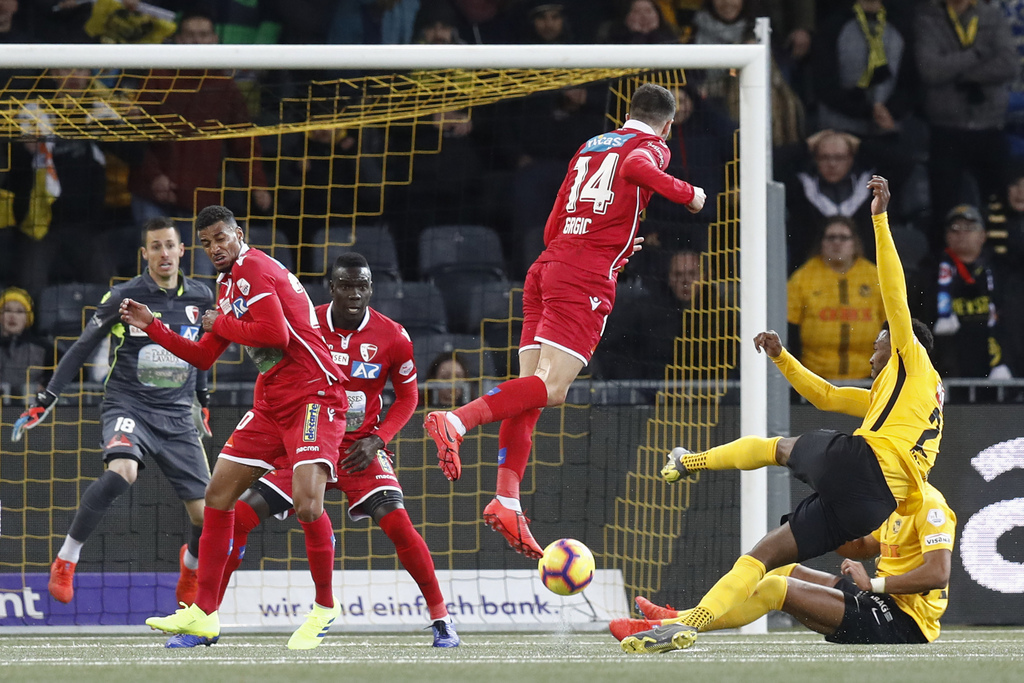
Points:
(372, 241)
(59, 309)
(267, 239)
(427, 348)
(445, 248)
(533, 245)
(419, 306)
(460, 288)
(491, 300)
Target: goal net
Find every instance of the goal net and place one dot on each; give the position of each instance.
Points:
(422, 159)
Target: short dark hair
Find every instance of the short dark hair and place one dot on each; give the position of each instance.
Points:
(159, 223)
(652, 104)
(921, 331)
(349, 259)
(214, 214)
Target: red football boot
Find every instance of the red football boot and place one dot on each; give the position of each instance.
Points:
(448, 441)
(512, 524)
(61, 574)
(622, 628)
(654, 612)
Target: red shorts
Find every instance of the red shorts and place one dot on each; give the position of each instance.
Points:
(565, 307)
(286, 434)
(357, 487)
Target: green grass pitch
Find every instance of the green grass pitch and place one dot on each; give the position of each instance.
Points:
(962, 654)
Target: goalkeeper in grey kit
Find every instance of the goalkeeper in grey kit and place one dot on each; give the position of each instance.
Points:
(147, 409)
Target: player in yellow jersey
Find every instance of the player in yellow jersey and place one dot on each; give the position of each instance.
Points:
(901, 604)
(858, 480)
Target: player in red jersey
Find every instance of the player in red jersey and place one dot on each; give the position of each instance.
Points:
(370, 349)
(296, 422)
(569, 292)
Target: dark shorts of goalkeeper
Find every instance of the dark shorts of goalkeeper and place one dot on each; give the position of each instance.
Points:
(873, 618)
(171, 441)
(851, 497)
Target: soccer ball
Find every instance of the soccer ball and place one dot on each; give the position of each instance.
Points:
(567, 567)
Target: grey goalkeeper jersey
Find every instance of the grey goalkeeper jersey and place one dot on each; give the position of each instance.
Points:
(143, 375)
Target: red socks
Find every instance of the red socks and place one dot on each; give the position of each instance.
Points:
(320, 553)
(214, 547)
(504, 401)
(515, 441)
(246, 520)
(415, 557)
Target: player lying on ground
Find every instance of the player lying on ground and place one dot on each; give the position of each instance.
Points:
(568, 294)
(858, 480)
(296, 422)
(369, 348)
(902, 604)
(147, 404)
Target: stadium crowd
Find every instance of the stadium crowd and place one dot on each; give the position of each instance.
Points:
(928, 93)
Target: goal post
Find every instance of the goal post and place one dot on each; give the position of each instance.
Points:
(751, 62)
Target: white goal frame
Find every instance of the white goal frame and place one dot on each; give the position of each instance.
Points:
(751, 62)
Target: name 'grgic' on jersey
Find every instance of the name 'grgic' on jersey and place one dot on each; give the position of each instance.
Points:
(597, 212)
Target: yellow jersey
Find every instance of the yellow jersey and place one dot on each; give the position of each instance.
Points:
(903, 423)
(839, 315)
(904, 539)
(903, 409)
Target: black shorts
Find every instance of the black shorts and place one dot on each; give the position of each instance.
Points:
(851, 497)
(172, 441)
(873, 618)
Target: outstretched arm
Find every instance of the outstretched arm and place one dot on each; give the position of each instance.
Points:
(891, 279)
(201, 354)
(822, 394)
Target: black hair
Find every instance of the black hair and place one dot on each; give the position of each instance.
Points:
(159, 223)
(921, 331)
(350, 259)
(215, 214)
(652, 104)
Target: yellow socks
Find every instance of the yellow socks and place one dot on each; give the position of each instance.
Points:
(732, 590)
(769, 595)
(746, 453)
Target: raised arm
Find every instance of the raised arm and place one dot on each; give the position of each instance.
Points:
(891, 279)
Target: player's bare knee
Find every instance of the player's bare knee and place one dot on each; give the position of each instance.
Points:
(126, 468)
(309, 510)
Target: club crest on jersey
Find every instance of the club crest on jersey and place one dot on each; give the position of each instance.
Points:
(367, 351)
(192, 313)
(385, 461)
(607, 141)
(594, 303)
(896, 526)
(310, 423)
(243, 286)
(239, 307)
(362, 370)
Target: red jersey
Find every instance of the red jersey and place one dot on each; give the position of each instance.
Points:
(264, 308)
(378, 350)
(610, 181)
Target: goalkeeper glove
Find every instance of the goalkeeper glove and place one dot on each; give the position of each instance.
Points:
(201, 412)
(36, 413)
